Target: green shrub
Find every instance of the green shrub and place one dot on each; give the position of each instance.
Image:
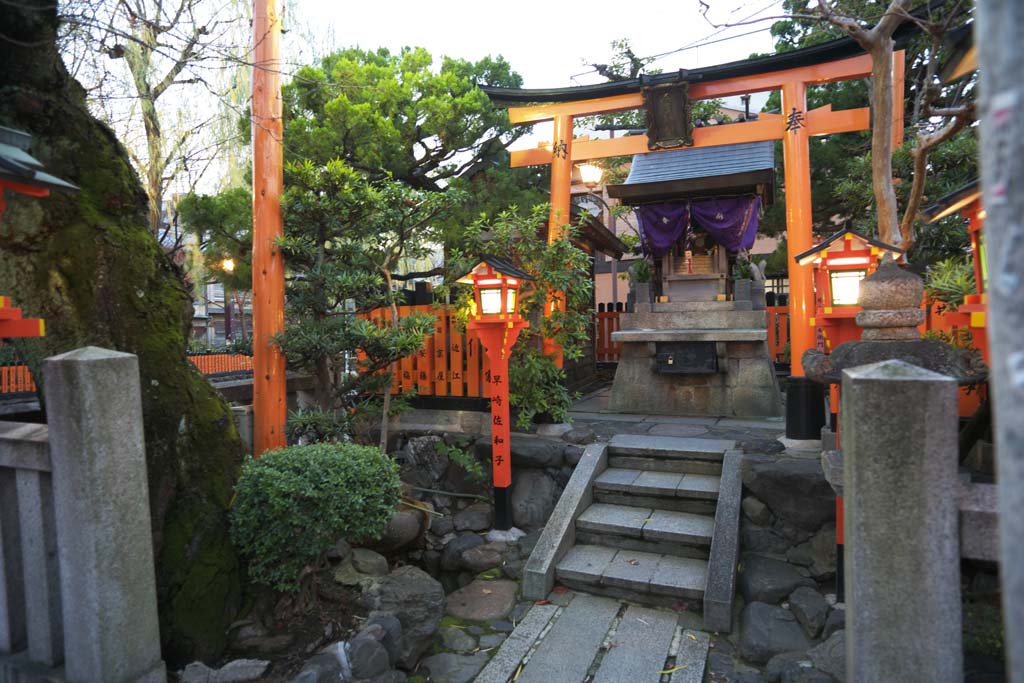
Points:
(950, 281)
(293, 504)
(464, 459)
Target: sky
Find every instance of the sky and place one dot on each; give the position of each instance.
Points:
(546, 42)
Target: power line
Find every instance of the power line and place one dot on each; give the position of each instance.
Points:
(701, 42)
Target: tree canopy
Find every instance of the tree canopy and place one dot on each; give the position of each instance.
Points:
(841, 170)
(392, 115)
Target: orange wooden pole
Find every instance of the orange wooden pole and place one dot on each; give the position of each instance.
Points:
(561, 182)
(268, 386)
(797, 160)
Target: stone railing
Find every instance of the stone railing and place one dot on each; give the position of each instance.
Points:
(77, 586)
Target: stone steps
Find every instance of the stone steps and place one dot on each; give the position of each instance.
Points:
(648, 528)
(669, 485)
(669, 447)
(650, 519)
(635, 574)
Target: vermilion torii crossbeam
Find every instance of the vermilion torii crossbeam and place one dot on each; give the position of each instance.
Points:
(793, 83)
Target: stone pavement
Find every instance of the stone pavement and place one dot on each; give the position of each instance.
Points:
(592, 411)
(575, 637)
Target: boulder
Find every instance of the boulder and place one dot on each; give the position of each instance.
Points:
(392, 632)
(368, 657)
(759, 539)
(483, 600)
(452, 668)
(573, 455)
(795, 490)
(421, 451)
(476, 517)
(417, 600)
(330, 664)
(451, 556)
(534, 495)
(721, 668)
(805, 674)
(810, 609)
(830, 656)
(580, 436)
(339, 552)
(456, 639)
(822, 547)
(756, 511)
(782, 664)
(536, 452)
(369, 562)
(836, 621)
(766, 631)
(442, 525)
(483, 557)
(554, 430)
(386, 677)
(404, 528)
(765, 579)
(237, 671)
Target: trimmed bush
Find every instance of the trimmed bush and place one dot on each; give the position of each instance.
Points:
(293, 504)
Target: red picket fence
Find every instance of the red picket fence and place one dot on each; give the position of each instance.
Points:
(778, 333)
(215, 363)
(15, 379)
(448, 364)
(606, 322)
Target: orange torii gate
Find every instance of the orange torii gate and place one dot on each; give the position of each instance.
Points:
(794, 128)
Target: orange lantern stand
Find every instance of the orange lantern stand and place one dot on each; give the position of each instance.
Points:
(496, 322)
(840, 262)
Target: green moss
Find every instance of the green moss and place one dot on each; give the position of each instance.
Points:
(490, 574)
(89, 265)
(983, 629)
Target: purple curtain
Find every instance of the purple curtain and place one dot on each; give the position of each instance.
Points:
(662, 225)
(730, 221)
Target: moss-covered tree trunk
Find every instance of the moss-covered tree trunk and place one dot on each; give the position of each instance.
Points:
(89, 264)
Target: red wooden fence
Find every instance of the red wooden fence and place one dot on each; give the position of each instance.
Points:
(778, 333)
(605, 323)
(16, 379)
(214, 363)
(449, 364)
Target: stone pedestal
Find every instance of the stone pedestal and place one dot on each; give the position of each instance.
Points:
(902, 554)
(744, 385)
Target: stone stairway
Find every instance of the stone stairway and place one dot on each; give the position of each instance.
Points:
(653, 520)
(598, 640)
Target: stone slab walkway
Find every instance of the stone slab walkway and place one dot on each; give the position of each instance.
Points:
(599, 640)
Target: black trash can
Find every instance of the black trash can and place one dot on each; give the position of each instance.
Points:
(805, 408)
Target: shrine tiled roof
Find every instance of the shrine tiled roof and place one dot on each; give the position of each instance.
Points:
(702, 162)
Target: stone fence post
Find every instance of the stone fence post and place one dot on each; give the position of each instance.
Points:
(902, 555)
(101, 501)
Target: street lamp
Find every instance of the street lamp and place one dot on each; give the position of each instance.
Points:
(496, 322)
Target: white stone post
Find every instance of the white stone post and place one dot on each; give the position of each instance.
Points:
(902, 554)
(101, 499)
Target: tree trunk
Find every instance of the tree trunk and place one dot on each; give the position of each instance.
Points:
(386, 407)
(89, 264)
(881, 139)
(1001, 63)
